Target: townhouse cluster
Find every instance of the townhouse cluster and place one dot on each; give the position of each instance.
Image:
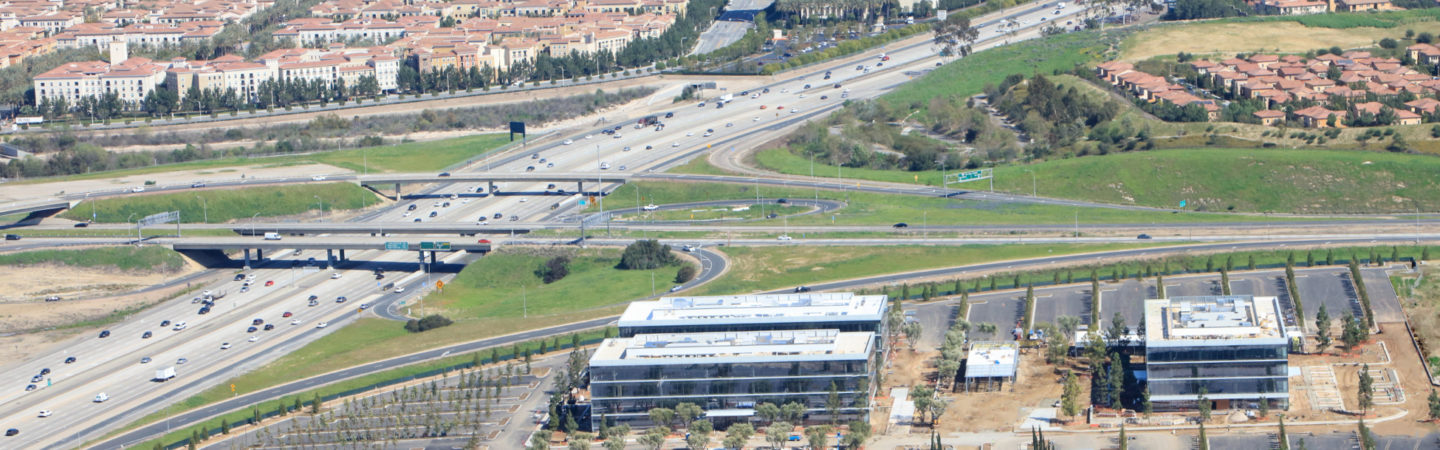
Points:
(1279, 80)
(31, 28)
(345, 40)
(1305, 7)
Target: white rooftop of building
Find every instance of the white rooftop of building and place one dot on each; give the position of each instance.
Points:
(735, 346)
(991, 360)
(817, 307)
(1212, 318)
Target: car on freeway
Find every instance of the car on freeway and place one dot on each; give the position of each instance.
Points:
(137, 189)
(145, 335)
(364, 306)
(244, 289)
(287, 314)
(622, 167)
(444, 174)
(550, 165)
(729, 124)
(104, 334)
(44, 371)
(145, 360)
(31, 387)
(257, 321)
(313, 297)
(902, 225)
(166, 323)
(225, 346)
(417, 219)
(181, 361)
(269, 283)
(676, 144)
(335, 276)
(322, 325)
(799, 289)
(251, 330)
(434, 214)
(12, 432)
(45, 413)
(824, 97)
(676, 288)
(498, 216)
(341, 299)
(399, 289)
(197, 184)
(784, 237)
(626, 149)
(269, 326)
(318, 178)
(1143, 236)
(37, 378)
(82, 224)
(70, 360)
(254, 338)
(204, 310)
(295, 322)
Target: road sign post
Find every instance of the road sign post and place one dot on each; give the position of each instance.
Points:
(972, 175)
(397, 245)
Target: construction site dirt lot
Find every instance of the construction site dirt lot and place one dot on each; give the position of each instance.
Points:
(1037, 385)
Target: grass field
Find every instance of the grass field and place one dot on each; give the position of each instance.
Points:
(503, 285)
(698, 166)
(1229, 38)
(125, 258)
(882, 209)
(225, 205)
(755, 269)
(406, 157)
(1212, 179)
(969, 75)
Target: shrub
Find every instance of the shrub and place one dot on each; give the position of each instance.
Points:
(554, 269)
(686, 273)
(429, 322)
(646, 255)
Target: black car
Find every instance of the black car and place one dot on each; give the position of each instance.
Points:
(799, 289)
(37, 378)
(204, 310)
(12, 432)
(164, 323)
(499, 216)
(45, 371)
(379, 276)
(198, 184)
(782, 201)
(12, 237)
(239, 276)
(31, 387)
(104, 334)
(669, 115)
(434, 213)
(70, 360)
(146, 335)
(411, 208)
(1143, 236)
(902, 225)
(444, 174)
(314, 298)
(82, 224)
(269, 326)
(257, 321)
(251, 330)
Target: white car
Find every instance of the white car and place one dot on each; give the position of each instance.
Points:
(295, 322)
(407, 214)
(179, 326)
(650, 207)
(45, 413)
(568, 142)
(690, 134)
(757, 119)
(137, 189)
(588, 136)
(322, 325)
(254, 338)
(523, 199)
(335, 276)
(784, 237)
(399, 289)
(318, 178)
(225, 346)
(677, 144)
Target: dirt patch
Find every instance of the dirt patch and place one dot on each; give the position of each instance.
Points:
(89, 295)
(1232, 38)
(1038, 385)
(36, 191)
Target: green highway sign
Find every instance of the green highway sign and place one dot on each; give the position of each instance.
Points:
(971, 175)
(434, 245)
(397, 246)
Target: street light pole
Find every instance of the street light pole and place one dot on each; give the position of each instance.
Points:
(252, 223)
(205, 208)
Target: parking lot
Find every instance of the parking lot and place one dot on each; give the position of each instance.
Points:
(1330, 286)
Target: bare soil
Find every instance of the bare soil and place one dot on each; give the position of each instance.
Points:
(1037, 385)
(260, 169)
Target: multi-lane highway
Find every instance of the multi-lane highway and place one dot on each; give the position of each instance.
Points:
(113, 364)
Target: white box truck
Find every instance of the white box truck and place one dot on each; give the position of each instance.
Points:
(272, 236)
(164, 375)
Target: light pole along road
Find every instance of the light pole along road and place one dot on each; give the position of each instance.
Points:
(183, 420)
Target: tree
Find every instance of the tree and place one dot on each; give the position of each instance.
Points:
(688, 412)
(580, 441)
(540, 440)
(1160, 286)
(1352, 334)
(832, 403)
(662, 416)
(793, 411)
(698, 436)
(1284, 438)
(777, 433)
(912, 331)
(646, 255)
(653, 439)
(685, 274)
(1367, 440)
(738, 434)
(1094, 301)
(1116, 382)
(1123, 445)
(1434, 403)
(1365, 394)
(554, 269)
(1204, 441)
(1264, 408)
(1145, 407)
(224, 426)
(1070, 400)
(1029, 308)
(1202, 404)
(859, 433)
(768, 411)
(954, 35)
(1322, 328)
(818, 436)
(1116, 332)
(1224, 281)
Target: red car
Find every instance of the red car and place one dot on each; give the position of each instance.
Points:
(287, 314)
(269, 283)
(484, 241)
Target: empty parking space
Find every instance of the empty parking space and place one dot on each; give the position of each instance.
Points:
(1073, 301)
(1127, 298)
(1193, 286)
(1254, 441)
(1002, 310)
(1330, 287)
(1383, 300)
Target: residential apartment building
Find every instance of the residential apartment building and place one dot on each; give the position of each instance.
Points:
(130, 78)
(1234, 347)
(729, 373)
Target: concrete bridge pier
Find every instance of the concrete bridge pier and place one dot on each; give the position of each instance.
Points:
(342, 255)
(491, 186)
(580, 187)
(247, 258)
(422, 261)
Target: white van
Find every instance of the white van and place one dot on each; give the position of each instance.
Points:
(272, 236)
(101, 398)
(604, 166)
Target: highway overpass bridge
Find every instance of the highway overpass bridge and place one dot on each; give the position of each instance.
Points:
(381, 229)
(35, 210)
(377, 182)
(214, 248)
